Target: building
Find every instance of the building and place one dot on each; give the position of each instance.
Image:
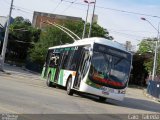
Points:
(3, 24)
(3, 21)
(95, 18)
(40, 17)
(128, 45)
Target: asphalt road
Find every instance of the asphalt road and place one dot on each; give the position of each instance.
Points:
(22, 92)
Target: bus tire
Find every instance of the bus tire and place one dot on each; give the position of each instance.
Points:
(69, 84)
(48, 82)
(102, 99)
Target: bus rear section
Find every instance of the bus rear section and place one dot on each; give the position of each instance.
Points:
(66, 63)
(109, 72)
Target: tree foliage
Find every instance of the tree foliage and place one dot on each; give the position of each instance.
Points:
(147, 48)
(147, 45)
(52, 36)
(22, 36)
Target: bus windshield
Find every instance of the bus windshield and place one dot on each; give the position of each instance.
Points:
(110, 70)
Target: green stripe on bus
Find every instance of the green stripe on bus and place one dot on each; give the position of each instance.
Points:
(60, 81)
(53, 72)
(90, 83)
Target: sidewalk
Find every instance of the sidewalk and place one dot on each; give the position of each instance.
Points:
(150, 96)
(19, 72)
(135, 90)
(12, 69)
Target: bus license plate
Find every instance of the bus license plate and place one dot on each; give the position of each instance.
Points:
(106, 90)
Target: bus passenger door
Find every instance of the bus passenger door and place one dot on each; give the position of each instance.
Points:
(84, 60)
(59, 66)
(54, 63)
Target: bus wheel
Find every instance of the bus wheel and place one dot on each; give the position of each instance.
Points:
(69, 90)
(102, 99)
(48, 82)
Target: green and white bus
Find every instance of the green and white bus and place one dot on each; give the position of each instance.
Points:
(96, 66)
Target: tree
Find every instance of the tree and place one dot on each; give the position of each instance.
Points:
(22, 36)
(147, 45)
(147, 48)
(52, 36)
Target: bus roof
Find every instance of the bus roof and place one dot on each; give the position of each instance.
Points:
(90, 41)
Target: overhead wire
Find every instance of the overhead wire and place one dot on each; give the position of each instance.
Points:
(101, 7)
(69, 6)
(128, 30)
(118, 10)
(29, 10)
(22, 10)
(130, 12)
(127, 34)
(57, 5)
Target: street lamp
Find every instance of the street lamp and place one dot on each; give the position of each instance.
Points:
(156, 48)
(90, 29)
(84, 30)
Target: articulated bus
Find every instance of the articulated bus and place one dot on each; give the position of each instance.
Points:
(96, 66)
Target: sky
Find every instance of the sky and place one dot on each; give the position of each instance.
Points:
(123, 26)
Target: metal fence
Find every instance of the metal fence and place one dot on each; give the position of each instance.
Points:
(154, 88)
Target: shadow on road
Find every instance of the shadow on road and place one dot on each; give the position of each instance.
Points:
(128, 102)
(140, 104)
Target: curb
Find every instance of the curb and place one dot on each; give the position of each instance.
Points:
(150, 96)
(22, 68)
(25, 69)
(6, 73)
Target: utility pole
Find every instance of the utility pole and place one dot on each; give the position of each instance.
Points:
(84, 30)
(156, 48)
(90, 29)
(2, 57)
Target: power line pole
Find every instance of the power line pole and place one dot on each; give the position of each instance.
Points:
(90, 29)
(156, 48)
(84, 30)
(2, 57)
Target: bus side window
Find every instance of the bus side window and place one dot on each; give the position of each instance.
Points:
(51, 63)
(76, 59)
(47, 60)
(67, 59)
(65, 62)
(54, 60)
